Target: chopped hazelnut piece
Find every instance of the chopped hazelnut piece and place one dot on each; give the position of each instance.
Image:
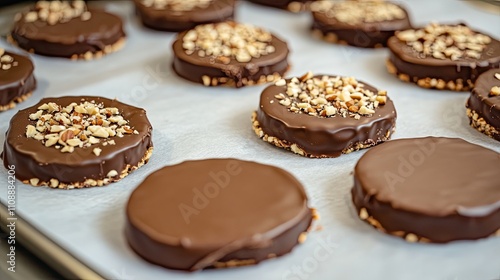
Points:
(34, 181)
(112, 173)
(363, 214)
(495, 91)
(30, 131)
(410, 237)
(280, 83)
(54, 183)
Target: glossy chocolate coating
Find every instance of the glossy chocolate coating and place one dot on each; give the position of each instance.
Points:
(280, 4)
(75, 37)
(323, 137)
(34, 160)
(442, 189)
(365, 34)
(408, 61)
(245, 211)
(193, 67)
(167, 20)
(486, 106)
(18, 80)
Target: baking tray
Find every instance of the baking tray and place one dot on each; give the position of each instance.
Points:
(194, 122)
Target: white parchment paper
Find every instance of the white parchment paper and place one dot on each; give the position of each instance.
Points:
(194, 122)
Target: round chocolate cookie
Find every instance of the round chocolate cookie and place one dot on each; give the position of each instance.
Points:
(324, 116)
(442, 56)
(483, 106)
(429, 189)
(367, 24)
(294, 6)
(180, 15)
(216, 213)
(68, 29)
(229, 53)
(17, 81)
(77, 141)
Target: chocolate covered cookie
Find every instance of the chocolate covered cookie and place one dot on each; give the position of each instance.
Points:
(483, 106)
(294, 6)
(77, 142)
(216, 213)
(17, 81)
(445, 57)
(68, 29)
(229, 53)
(180, 15)
(367, 24)
(324, 116)
(429, 189)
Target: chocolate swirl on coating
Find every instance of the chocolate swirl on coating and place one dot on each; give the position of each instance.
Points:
(236, 219)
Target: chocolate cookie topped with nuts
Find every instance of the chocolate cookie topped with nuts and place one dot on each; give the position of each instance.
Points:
(68, 29)
(180, 15)
(231, 54)
(445, 57)
(217, 213)
(483, 106)
(293, 6)
(17, 81)
(429, 189)
(324, 116)
(77, 142)
(367, 24)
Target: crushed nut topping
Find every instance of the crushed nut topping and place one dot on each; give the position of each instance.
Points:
(6, 61)
(445, 41)
(176, 5)
(53, 12)
(77, 125)
(356, 12)
(228, 40)
(329, 96)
